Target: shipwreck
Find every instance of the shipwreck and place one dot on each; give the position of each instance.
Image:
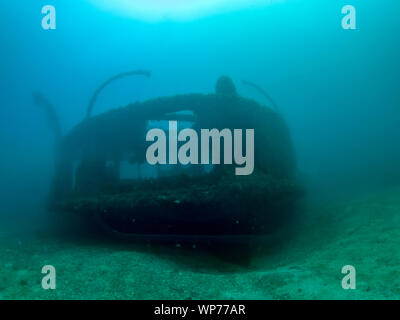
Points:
(179, 202)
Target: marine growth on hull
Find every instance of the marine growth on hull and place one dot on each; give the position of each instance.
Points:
(102, 171)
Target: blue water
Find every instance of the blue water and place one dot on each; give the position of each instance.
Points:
(337, 89)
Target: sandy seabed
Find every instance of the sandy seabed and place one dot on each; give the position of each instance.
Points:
(364, 232)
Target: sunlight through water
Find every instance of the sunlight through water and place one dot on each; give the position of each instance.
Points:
(175, 9)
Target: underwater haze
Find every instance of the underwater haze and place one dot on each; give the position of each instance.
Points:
(336, 89)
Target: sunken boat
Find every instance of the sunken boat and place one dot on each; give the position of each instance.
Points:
(101, 172)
